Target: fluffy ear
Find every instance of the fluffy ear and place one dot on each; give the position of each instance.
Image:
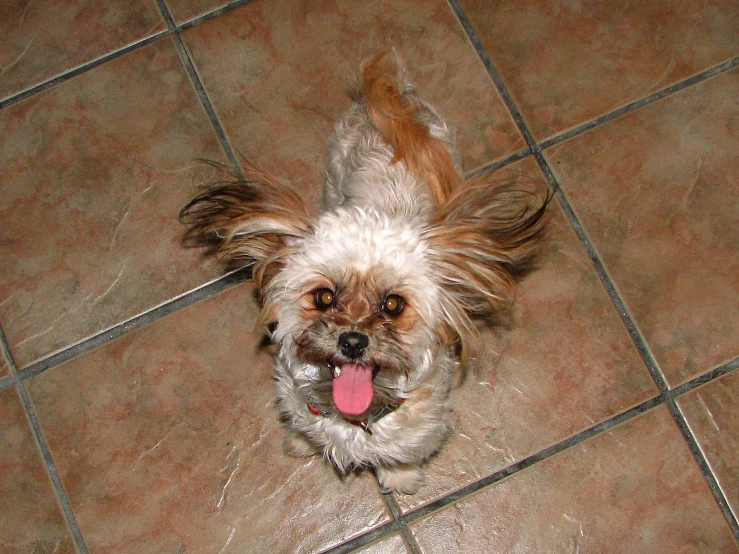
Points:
(253, 219)
(482, 238)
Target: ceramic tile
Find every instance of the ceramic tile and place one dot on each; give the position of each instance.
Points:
(656, 192)
(565, 364)
(42, 40)
(31, 518)
(633, 489)
(568, 62)
(187, 10)
(392, 544)
(93, 173)
(295, 64)
(171, 431)
(712, 414)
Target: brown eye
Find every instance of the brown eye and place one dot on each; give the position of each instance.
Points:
(393, 304)
(324, 299)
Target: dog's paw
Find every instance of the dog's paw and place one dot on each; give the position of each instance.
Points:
(296, 446)
(402, 479)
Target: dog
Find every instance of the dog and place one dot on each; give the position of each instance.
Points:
(373, 300)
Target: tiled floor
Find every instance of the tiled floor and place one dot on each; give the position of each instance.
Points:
(136, 406)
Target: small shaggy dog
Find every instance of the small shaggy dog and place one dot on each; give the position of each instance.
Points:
(372, 301)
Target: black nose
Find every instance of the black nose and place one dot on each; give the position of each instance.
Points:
(352, 344)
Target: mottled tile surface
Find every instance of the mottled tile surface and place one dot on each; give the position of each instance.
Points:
(92, 175)
(712, 412)
(657, 193)
(171, 431)
(568, 62)
(278, 74)
(565, 364)
(31, 521)
(633, 489)
(42, 40)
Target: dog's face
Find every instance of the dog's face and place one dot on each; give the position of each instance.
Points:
(360, 301)
(356, 306)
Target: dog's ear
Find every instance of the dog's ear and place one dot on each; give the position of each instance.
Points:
(253, 219)
(482, 238)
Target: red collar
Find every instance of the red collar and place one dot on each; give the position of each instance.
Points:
(365, 423)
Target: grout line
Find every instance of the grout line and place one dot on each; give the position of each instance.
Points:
(535, 149)
(640, 103)
(210, 15)
(56, 481)
(704, 466)
(628, 320)
(6, 382)
(534, 459)
(199, 88)
(623, 311)
(641, 345)
(494, 75)
(398, 516)
(207, 105)
(499, 164)
(403, 519)
(84, 68)
(234, 278)
(364, 539)
(203, 293)
(707, 377)
(51, 467)
(167, 15)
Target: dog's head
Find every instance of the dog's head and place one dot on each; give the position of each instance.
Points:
(360, 302)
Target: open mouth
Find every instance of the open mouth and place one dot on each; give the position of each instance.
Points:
(353, 390)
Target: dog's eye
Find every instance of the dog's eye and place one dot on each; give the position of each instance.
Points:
(324, 299)
(393, 304)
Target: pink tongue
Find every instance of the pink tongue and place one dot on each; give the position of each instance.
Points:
(353, 389)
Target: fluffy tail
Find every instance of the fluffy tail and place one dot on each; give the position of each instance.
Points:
(396, 114)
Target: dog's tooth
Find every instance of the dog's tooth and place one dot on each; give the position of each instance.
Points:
(337, 371)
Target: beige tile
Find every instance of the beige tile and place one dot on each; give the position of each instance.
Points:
(278, 74)
(565, 364)
(172, 433)
(633, 489)
(42, 40)
(92, 175)
(711, 412)
(31, 521)
(656, 191)
(568, 62)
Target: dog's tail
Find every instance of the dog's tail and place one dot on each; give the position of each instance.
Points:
(395, 112)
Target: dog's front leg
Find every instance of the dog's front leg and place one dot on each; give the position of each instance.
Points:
(405, 479)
